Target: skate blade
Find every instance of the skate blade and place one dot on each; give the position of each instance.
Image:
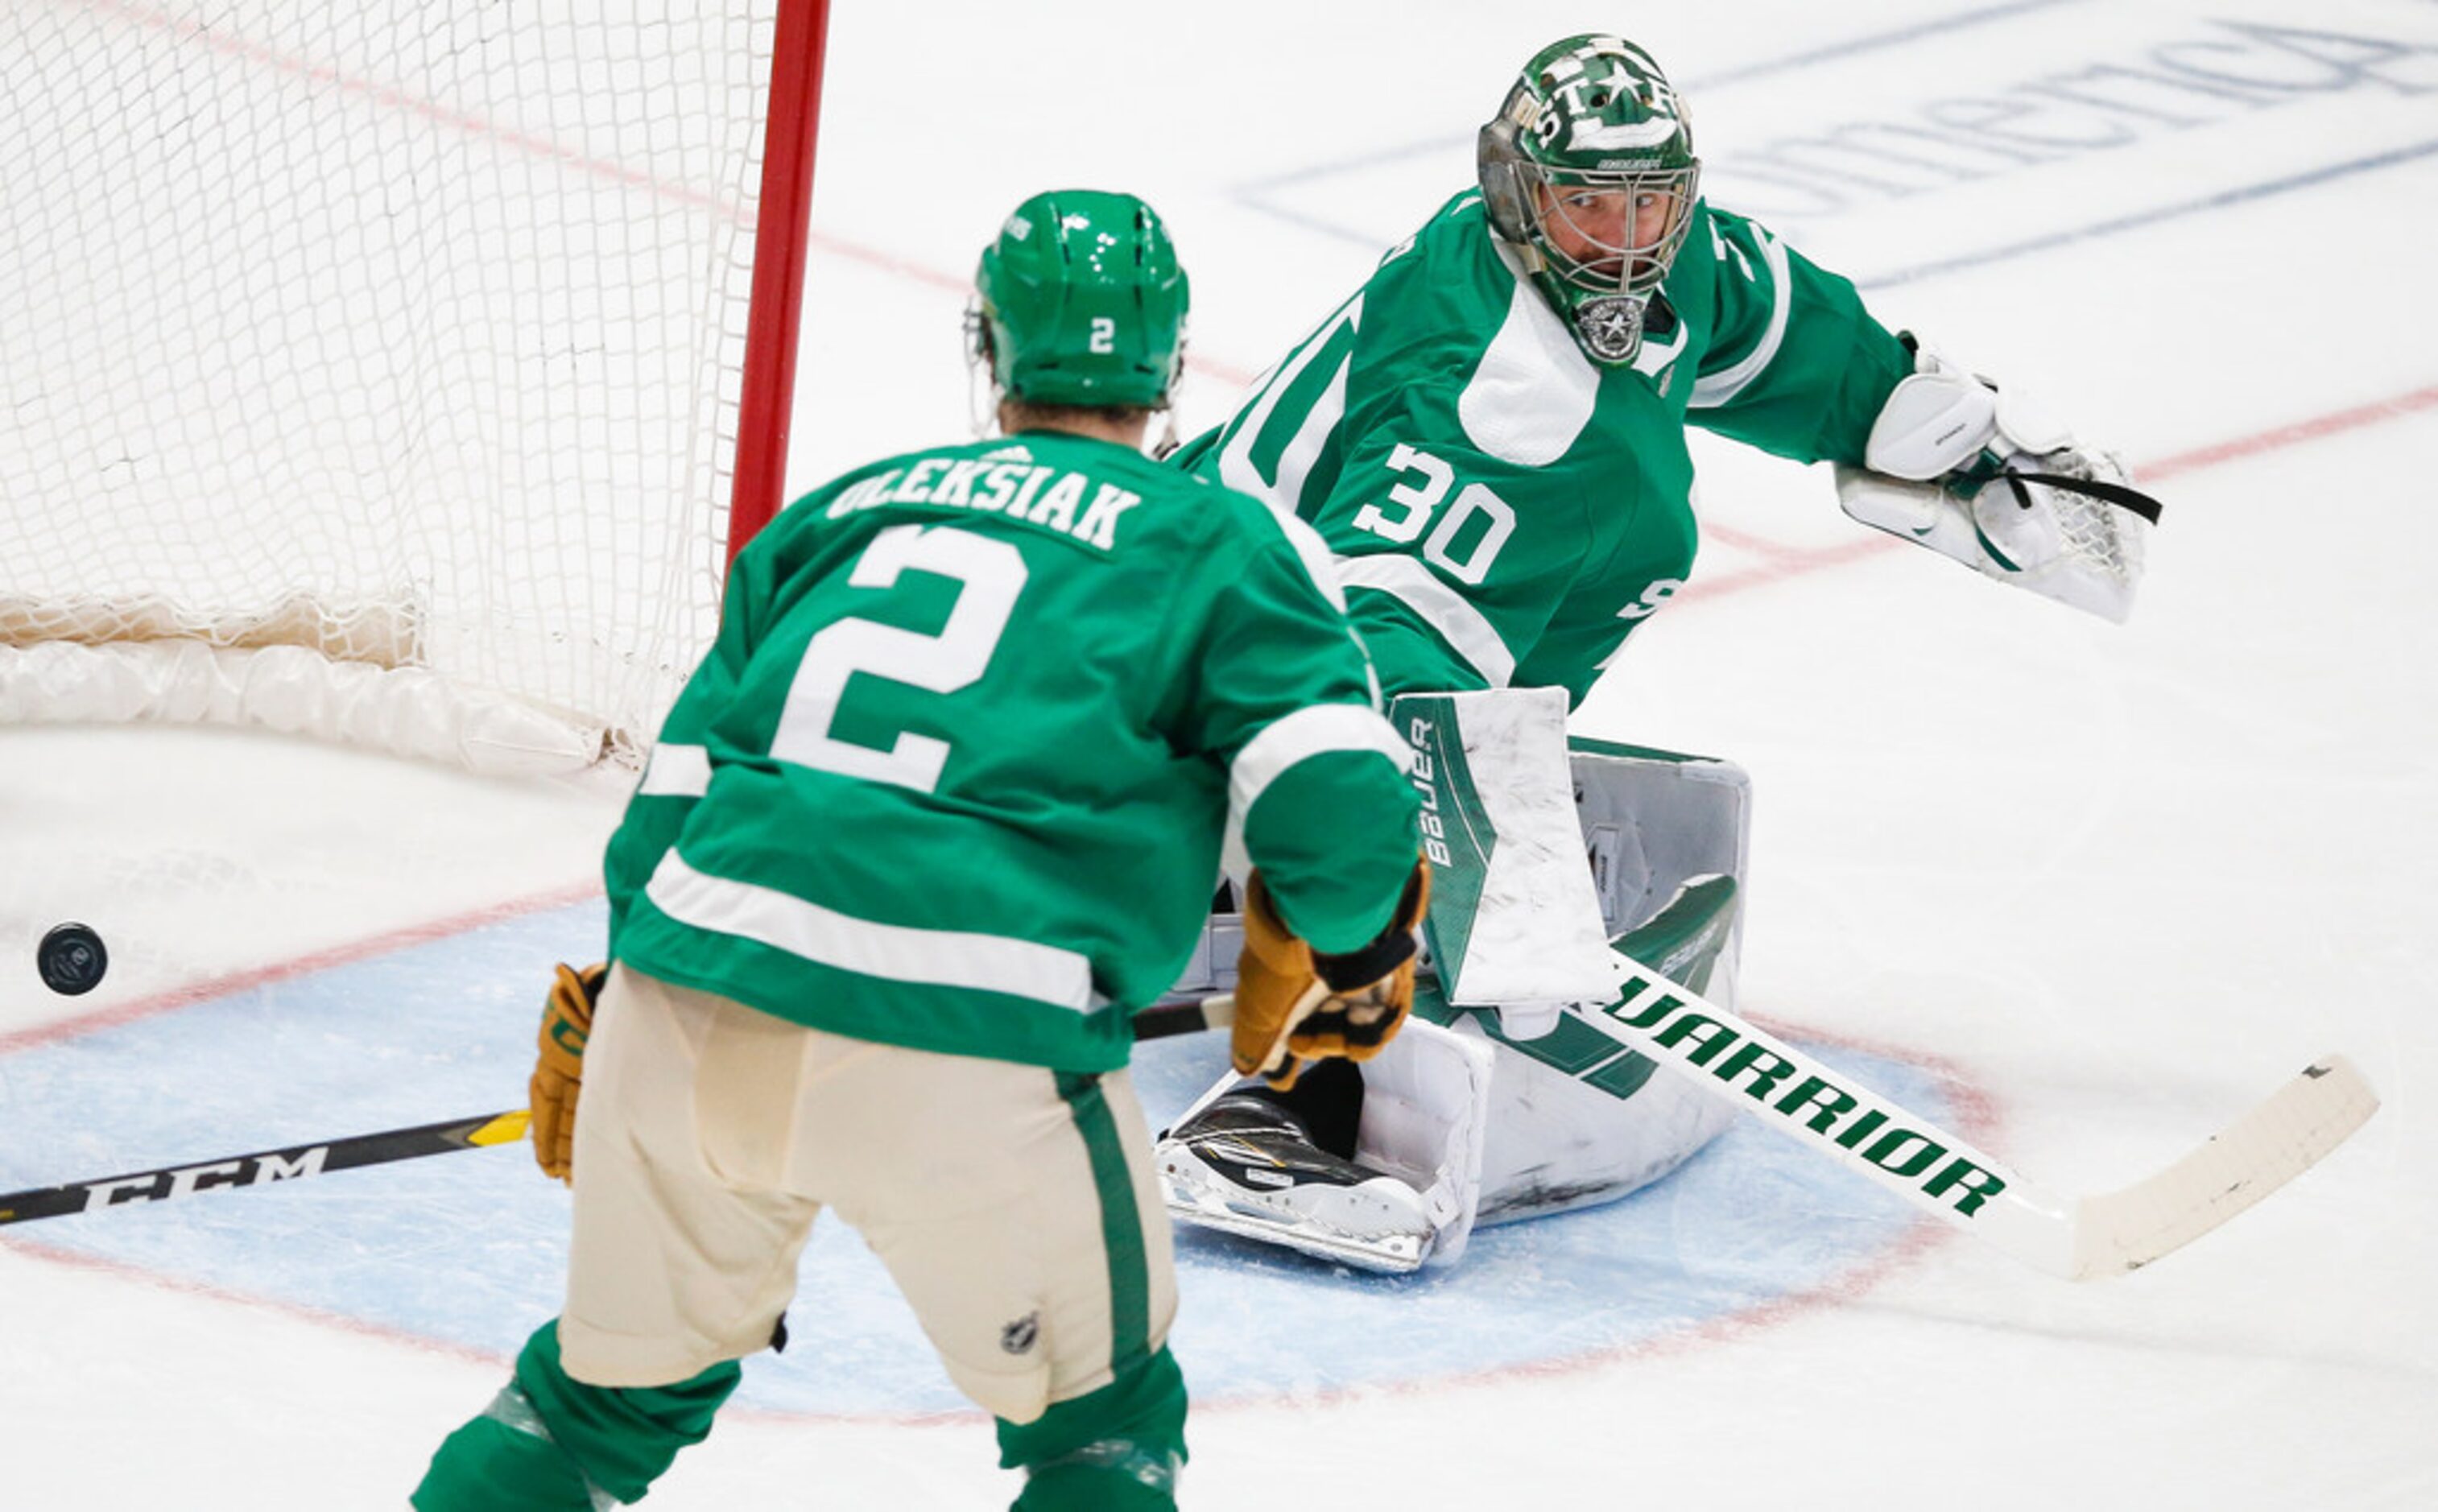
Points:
(1382, 1254)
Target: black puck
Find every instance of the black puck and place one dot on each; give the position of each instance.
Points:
(72, 959)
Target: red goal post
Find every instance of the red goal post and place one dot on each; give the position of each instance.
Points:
(402, 373)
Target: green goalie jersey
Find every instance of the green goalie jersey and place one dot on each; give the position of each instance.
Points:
(956, 773)
(1503, 511)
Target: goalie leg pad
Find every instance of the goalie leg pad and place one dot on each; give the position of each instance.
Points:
(1425, 1119)
(1555, 1143)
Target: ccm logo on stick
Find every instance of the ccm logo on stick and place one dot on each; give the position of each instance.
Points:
(251, 1170)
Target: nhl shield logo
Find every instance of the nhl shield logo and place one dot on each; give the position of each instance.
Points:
(1018, 1337)
(1612, 327)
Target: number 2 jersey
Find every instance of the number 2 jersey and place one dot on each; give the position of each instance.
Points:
(955, 773)
(1503, 511)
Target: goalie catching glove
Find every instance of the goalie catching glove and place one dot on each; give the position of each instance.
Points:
(1975, 473)
(558, 1068)
(1295, 1003)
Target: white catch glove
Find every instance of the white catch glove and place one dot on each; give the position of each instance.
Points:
(1982, 475)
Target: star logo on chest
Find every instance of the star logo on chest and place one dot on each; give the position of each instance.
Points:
(1612, 327)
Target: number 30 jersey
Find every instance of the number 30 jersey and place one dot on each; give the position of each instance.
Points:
(955, 772)
(1503, 511)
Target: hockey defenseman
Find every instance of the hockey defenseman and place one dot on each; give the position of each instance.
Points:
(946, 799)
(1490, 435)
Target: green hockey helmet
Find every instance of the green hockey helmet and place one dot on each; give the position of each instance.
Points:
(1080, 300)
(1588, 171)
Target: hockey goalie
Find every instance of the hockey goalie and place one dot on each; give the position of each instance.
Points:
(1489, 434)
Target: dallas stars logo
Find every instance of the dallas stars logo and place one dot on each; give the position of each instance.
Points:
(1612, 327)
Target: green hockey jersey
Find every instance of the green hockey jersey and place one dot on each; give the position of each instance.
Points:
(955, 772)
(1503, 512)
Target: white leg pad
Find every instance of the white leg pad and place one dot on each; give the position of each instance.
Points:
(1555, 1144)
(1426, 1118)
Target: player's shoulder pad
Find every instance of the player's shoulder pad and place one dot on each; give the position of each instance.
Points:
(1456, 237)
(1265, 528)
(1738, 243)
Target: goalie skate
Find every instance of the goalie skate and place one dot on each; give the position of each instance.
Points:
(1249, 1167)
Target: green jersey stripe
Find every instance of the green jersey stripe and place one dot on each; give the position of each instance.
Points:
(1714, 389)
(675, 771)
(1467, 631)
(1312, 554)
(1121, 1230)
(898, 953)
(1311, 731)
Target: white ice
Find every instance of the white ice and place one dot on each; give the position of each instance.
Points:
(2122, 881)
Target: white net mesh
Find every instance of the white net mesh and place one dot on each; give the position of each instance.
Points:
(409, 332)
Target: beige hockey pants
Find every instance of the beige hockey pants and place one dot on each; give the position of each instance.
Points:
(1016, 1207)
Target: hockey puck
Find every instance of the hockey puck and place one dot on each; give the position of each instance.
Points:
(72, 959)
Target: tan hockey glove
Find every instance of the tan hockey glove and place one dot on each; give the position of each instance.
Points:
(1294, 1003)
(559, 1070)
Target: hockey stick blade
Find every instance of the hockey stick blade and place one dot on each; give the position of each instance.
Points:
(1178, 1015)
(1937, 1171)
(2262, 1150)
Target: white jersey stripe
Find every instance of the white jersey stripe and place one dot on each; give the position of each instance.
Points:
(675, 771)
(1718, 388)
(1313, 731)
(1410, 582)
(935, 957)
(1236, 467)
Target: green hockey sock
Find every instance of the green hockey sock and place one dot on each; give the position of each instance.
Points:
(1116, 1449)
(491, 1463)
(550, 1442)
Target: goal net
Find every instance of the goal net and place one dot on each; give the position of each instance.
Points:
(380, 371)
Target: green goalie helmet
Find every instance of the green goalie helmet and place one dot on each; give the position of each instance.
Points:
(1588, 170)
(1080, 300)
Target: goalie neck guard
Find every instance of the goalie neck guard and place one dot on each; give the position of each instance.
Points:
(1588, 171)
(1080, 301)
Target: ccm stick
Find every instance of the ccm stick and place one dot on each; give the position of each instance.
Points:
(1182, 1015)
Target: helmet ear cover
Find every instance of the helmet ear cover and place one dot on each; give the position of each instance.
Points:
(1496, 158)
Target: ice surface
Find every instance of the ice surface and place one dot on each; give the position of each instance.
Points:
(2091, 890)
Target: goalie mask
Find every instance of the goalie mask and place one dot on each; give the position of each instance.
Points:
(1080, 301)
(1588, 171)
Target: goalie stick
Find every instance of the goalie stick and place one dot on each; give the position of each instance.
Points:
(1478, 759)
(1180, 1015)
(2075, 1238)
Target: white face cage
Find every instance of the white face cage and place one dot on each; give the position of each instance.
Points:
(1609, 233)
